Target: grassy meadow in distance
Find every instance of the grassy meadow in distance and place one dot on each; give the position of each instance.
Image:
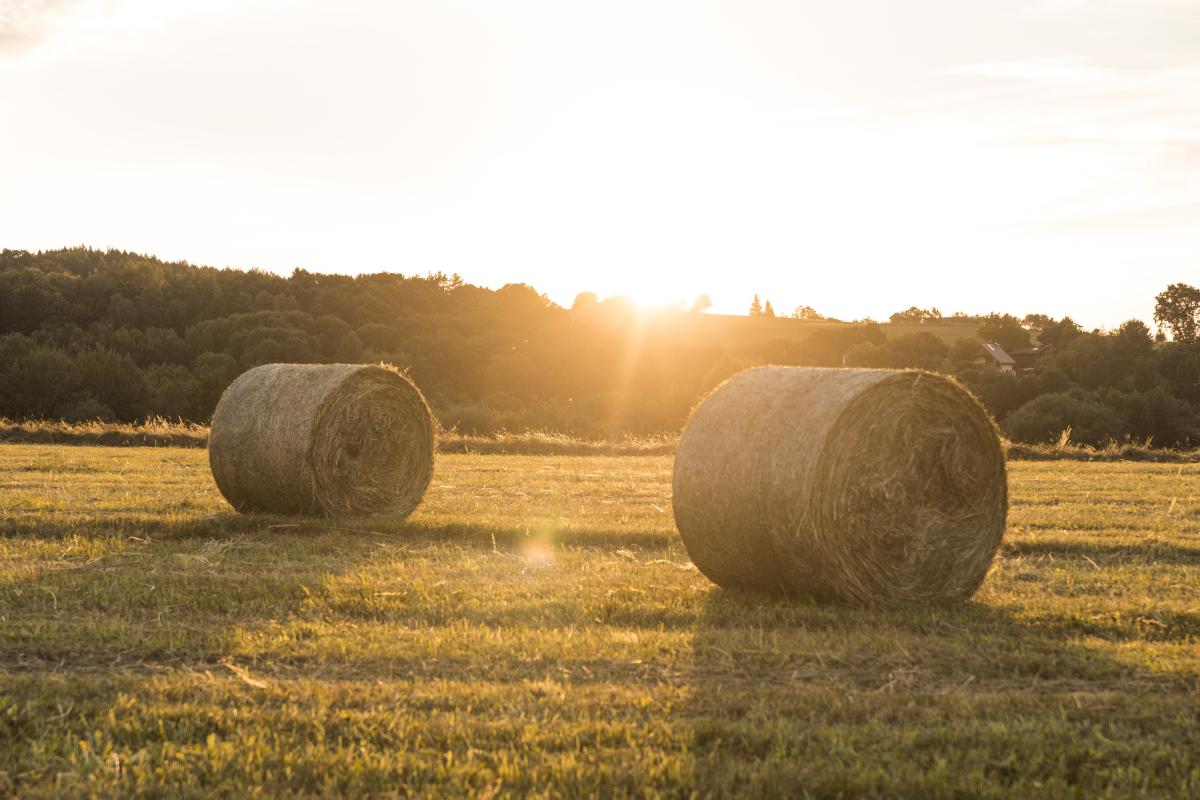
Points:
(536, 629)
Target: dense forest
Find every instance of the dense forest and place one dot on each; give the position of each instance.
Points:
(86, 334)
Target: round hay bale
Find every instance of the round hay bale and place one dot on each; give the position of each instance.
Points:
(333, 439)
(851, 484)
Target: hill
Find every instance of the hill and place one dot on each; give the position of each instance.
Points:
(117, 336)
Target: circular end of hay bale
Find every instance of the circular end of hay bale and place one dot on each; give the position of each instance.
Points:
(372, 445)
(858, 485)
(333, 439)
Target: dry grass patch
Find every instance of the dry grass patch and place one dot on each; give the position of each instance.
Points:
(533, 629)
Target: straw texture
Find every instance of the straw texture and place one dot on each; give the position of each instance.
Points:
(852, 484)
(332, 439)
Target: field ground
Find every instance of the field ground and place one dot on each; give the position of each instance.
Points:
(536, 629)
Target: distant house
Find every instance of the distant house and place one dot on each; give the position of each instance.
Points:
(1026, 359)
(993, 355)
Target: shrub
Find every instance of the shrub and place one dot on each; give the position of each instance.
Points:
(920, 350)
(1156, 415)
(84, 407)
(115, 380)
(1001, 392)
(1043, 419)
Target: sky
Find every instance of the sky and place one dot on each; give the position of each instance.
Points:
(859, 157)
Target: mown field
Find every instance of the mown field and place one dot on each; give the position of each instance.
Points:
(536, 630)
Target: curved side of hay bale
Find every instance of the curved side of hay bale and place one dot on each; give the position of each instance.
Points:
(853, 484)
(322, 438)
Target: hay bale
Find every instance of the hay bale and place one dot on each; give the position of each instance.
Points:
(334, 439)
(851, 484)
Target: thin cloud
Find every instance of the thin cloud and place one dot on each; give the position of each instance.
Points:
(1117, 144)
(1057, 69)
(1074, 99)
(1120, 221)
(26, 23)
(1183, 8)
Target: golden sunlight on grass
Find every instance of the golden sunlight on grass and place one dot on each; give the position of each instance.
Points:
(536, 628)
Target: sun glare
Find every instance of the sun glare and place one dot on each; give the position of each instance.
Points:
(655, 300)
(537, 550)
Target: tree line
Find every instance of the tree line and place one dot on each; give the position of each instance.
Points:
(111, 335)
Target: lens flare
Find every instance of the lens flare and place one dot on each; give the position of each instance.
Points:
(538, 547)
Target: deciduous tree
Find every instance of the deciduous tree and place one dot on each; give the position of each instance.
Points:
(1178, 308)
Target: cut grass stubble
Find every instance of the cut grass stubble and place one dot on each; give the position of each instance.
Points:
(535, 628)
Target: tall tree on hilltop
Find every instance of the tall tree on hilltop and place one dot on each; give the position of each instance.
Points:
(806, 312)
(1178, 308)
(585, 300)
(756, 308)
(1005, 330)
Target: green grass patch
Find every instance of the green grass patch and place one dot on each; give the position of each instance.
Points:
(536, 629)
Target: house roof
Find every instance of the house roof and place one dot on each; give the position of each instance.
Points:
(997, 352)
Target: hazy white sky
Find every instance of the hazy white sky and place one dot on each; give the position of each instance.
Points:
(858, 156)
